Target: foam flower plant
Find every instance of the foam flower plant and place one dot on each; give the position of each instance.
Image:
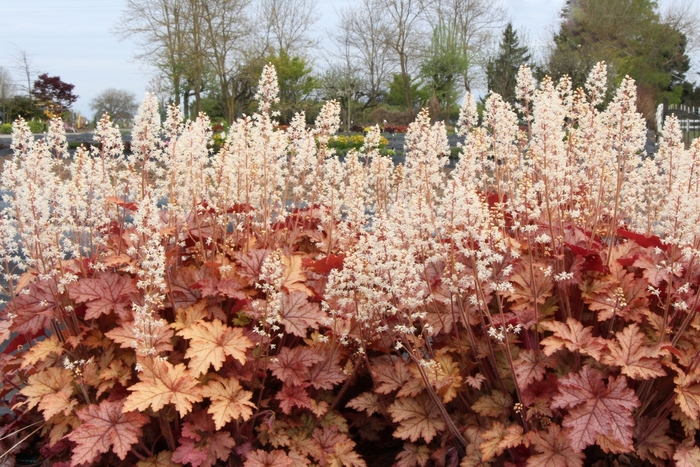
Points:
(269, 304)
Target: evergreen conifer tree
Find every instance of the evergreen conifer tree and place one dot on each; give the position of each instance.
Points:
(502, 70)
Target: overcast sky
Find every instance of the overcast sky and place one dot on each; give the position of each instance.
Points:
(73, 39)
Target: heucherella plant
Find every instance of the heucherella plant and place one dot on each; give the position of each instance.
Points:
(274, 305)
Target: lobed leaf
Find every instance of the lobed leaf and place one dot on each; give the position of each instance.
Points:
(417, 418)
(163, 383)
(573, 336)
(596, 409)
(51, 389)
(105, 427)
(274, 458)
(211, 342)
(105, 293)
(229, 401)
(635, 359)
(413, 455)
(554, 449)
(42, 350)
(298, 314)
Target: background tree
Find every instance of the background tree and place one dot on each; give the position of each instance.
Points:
(161, 29)
(24, 64)
(476, 23)
(286, 24)
(53, 95)
(405, 33)
(119, 104)
(296, 85)
(502, 70)
(444, 65)
(631, 38)
(342, 81)
(22, 106)
(7, 90)
(364, 33)
(226, 27)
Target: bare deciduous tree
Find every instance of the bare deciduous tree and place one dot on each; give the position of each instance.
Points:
(161, 29)
(684, 16)
(23, 63)
(364, 34)
(287, 24)
(226, 27)
(119, 104)
(342, 81)
(477, 23)
(405, 36)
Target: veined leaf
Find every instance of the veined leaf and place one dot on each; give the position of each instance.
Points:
(274, 458)
(163, 383)
(42, 350)
(298, 314)
(554, 449)
(211, 342)
(51, 390)
(688, 394)
(635, 359)
(105, 427)
(573, 336)
(417, 418)
(596, 409)
(103, 294)
(229, 401)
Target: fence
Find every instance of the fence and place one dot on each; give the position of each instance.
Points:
(688, 117)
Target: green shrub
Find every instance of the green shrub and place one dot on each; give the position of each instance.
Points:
(5, 128)
(36, 126)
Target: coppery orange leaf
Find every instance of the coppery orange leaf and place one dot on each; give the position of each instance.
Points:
(201, 444)
(35, 310)
(42, 350)
(298, 314)
(125, 336)
(366, 402)
(229, 401)
(573, 336)
(496, 404)
(105, 427)
(186, 317)
(162, 383)
(634, 358)
(653, 446)
(391, 375)
(499, 438)
(211, 342)
(687, 454)
(531, 365)
(293, 396)
(274, 458)
(688, 394)
(554, 449)
(417, 418)
(413, 455)
(51, 390)
(294, 278)
(290, 364)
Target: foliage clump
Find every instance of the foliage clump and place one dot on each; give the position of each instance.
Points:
(271, 305)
